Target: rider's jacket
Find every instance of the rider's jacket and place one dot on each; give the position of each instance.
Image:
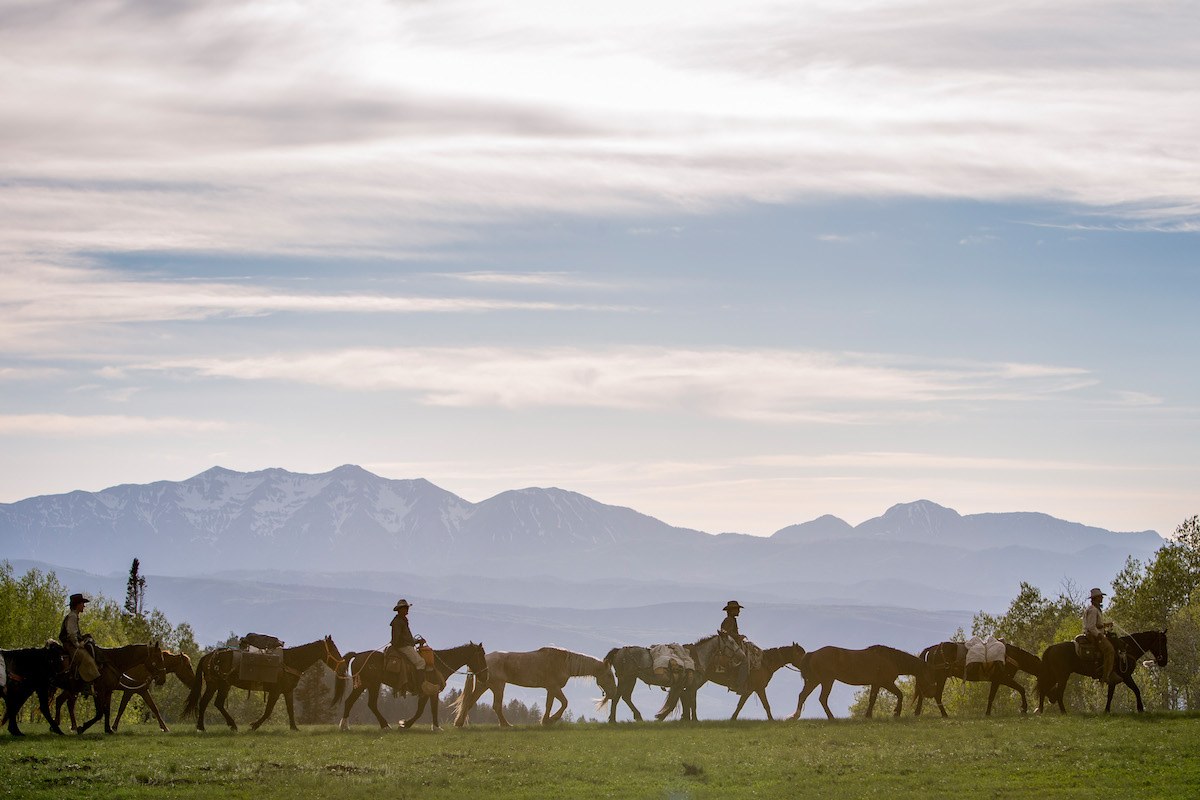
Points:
(69, 634)
(401, 633)
(1092, 622)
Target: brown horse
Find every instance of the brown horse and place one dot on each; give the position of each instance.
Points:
(1060, 661)
(136, 682)
(944, 663)
(217, 669)
(366, 672)
(877, 666)
(115, 662)
(548, 668)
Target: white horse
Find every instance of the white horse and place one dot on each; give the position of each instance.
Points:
(547, 668)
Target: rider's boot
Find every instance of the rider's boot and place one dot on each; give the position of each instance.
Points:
(427, 687)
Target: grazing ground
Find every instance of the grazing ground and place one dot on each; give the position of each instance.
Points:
(1152, 755)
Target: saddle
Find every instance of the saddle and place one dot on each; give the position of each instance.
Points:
(1090, 654)
(397, 665)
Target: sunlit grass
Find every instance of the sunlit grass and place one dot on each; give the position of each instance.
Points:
(1058, 757)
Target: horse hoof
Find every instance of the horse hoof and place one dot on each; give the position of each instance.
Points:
(435, 728)
(401, 724)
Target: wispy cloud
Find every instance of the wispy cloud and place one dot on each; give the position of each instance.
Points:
(46, 305)
(761, 385)
(101, 425)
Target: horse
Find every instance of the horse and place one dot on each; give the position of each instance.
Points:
(1060, 660)
(547, 668)
(217, 670)
(773, 659)
(943, 662)
(877, 666)
(114, 662)
(367, 672)
(30, 671)
(136, 682)
(630, 664)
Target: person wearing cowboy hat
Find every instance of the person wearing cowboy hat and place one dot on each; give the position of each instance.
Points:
(404, 643)
(729, 627)
(74, 641)
(1096, 629)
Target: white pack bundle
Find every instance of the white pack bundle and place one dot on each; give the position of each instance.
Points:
(666, 658)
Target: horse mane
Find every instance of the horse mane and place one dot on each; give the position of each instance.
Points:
(580, 664)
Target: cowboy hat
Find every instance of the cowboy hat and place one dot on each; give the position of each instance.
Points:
(732, 604)
(1096, 593)
(401, 603)
(80, 598)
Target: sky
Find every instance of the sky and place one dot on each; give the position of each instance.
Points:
(732, 265)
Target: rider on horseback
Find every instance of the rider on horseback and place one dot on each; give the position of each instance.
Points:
(1096, 629)
(404, 643)
(729, 628)
(76, 642)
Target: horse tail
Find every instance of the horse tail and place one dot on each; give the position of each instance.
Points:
(460, 705)
(193, 698)
(340, 676)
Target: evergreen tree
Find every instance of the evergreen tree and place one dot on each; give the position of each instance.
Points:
(135, 592)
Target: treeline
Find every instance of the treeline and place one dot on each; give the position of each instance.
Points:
(1160, 594)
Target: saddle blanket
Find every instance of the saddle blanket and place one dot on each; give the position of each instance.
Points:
(666, 658)
(259, 667)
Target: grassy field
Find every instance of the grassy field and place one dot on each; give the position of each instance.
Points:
(1054, 757)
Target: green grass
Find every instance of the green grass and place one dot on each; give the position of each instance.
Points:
(1152, 755)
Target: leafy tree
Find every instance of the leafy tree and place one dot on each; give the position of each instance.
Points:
(1162, 595)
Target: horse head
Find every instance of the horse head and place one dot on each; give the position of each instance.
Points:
(607, 683)
(155, 664)
(795, 655)
(332, 656)
(181, 666)
(1158, 646)
(477, 662)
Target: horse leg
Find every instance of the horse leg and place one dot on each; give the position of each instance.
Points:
(498, 704)
(355, 693)
(991, 697)
(762, 698)
(562, 698)
(202, 704)
(422, 701)
(741, 702)
(272, 699)
(121, 709)
(826, 688)
(804, 693)
(625, 692)
(289, 702)
(870, 705)
(43, 704)
(894, 689)
(149, 700)
(433, 712)
(219, 702)
(937, 697)
(1137, 693)
(100, 708)
(373, 704)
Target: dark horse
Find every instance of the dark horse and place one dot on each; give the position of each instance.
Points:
(217, 669)
(1060, 660)
(944, 663)
(31, 671)
(631, 663)
(114, 662)
(366, 671)
(877, 666)
(136, 682)
(773, 659)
